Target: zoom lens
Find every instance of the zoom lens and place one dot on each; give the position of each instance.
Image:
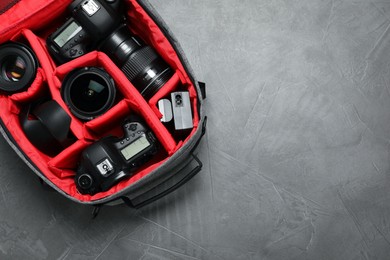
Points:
(89, 92)
(18, 67)
(140, 63)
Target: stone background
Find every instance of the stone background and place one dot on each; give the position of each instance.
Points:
(296, 157)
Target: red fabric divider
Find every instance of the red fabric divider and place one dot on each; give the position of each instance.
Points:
(40, 51)
(124, 86)
(113, 117)
(30, 14)
(145, 27)
(87, 60)
(139, 104)
(63, 164)
(90, 59)
(36, 90)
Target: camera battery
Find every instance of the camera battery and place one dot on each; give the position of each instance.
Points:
(165, 107)
(181, 107)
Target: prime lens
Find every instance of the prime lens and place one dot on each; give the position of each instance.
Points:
(145, 69)
(18, 67)
(89, 92)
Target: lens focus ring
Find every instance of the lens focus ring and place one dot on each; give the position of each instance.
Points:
(138, 62)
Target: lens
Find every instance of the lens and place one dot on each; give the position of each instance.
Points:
(85, 181)
(89, 92)
(145, 69)
(18, 66)
(14, 68)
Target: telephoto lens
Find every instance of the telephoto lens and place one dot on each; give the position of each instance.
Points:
(145, 69)
(89, 92)
(18, 67)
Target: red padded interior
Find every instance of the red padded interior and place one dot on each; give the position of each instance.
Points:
(30, 22)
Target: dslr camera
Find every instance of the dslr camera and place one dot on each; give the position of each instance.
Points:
(98, 25)
(111, 159)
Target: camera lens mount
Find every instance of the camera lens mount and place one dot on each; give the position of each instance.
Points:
(85, 181)
(89, 92)
(18, 67)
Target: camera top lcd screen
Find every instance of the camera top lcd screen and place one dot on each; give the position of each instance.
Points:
(135, 147)
(67, 34)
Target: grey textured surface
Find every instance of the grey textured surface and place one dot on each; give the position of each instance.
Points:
(296, 157)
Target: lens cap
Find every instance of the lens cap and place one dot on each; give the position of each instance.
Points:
(18, 67)
(89, 92)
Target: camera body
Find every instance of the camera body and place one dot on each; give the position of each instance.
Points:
(72, 39)
(100, 25)
(111, 159)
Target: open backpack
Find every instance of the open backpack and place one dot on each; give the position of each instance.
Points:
(172, 161)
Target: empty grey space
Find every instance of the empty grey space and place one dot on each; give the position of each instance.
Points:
(296, 155)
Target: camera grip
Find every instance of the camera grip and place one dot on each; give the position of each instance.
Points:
(181, 176)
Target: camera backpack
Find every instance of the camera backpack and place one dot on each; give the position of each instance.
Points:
(30, 22)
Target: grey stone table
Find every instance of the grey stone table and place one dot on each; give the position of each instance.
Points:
(296, 157)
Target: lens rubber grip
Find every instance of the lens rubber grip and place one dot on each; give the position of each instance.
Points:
(138, 62)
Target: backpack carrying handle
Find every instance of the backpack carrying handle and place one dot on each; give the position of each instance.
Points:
(179, 178)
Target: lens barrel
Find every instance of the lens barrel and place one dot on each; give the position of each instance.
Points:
(89, 92)
(139, 62)
(18, 67)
